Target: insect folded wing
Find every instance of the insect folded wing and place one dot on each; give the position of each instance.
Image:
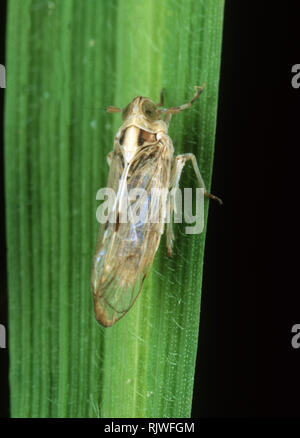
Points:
(122, 265)
(125, 253)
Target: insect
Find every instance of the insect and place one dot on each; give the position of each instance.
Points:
(142, 157)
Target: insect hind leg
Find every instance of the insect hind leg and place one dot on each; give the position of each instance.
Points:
(180, 162)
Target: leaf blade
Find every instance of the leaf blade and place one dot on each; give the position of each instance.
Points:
(73, 58)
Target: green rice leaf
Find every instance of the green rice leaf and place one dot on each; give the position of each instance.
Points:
(66, 61)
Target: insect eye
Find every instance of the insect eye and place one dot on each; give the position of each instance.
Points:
(150, 111)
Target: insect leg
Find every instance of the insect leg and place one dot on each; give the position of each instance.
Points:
(178, 109)
(169, 231)
(174, 184)
(109, 157)
(167, 118)
(179, 164)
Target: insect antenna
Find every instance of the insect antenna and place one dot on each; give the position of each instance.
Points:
(161, 98)
(113, 109)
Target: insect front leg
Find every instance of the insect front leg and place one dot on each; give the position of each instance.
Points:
(179, 164)
(109, 157)
(177, 109)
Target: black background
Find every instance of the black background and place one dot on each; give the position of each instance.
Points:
(246, 366)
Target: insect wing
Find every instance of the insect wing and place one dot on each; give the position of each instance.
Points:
(125, 255)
